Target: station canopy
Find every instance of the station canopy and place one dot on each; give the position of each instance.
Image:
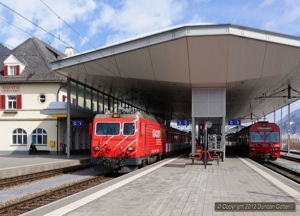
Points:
(259, 69)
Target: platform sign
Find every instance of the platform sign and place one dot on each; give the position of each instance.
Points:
(77, 123)
(234, 121)
(183, 122)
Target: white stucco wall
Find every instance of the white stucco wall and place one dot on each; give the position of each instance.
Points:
(28, 118)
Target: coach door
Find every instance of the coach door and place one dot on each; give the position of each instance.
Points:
(144, 136)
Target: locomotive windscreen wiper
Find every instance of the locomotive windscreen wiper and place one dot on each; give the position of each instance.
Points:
(260, 134)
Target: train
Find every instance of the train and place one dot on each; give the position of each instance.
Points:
(121, 143)
(260, 141)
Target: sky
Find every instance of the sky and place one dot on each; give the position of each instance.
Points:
(90, 24)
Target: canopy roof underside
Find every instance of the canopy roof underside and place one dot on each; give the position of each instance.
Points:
(157, 72)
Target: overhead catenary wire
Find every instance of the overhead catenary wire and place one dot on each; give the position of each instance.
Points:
(58, 38)
(74, 30)
(83, 38)
(66, 43)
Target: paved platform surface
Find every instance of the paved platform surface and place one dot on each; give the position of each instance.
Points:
(177, 187)
(18, 164)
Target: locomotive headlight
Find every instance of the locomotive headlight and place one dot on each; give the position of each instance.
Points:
(130, 148)
(276, 149)
(252, 149)
(96, 148)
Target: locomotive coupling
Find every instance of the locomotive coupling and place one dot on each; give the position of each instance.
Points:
(113, 163)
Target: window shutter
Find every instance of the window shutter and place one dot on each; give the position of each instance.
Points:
(19, 101)
(64, 98)
(2, 101)
(5, 70)
(18, 69)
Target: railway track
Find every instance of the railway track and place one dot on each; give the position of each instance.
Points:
(293, 175)
(287, 157)
(18, 180)
(23, 205)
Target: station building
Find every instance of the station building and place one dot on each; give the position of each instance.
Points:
(28, 86)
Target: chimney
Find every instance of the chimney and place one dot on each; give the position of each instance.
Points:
(69, 51)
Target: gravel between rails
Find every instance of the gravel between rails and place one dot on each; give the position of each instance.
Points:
(42, 185)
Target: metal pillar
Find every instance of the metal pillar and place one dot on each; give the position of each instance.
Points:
(223, 137)
(68, 117)
(280, 128)
(193, 136)
(205, 146)
(289, 128)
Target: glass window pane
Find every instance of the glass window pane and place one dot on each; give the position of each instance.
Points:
(129, 128)
(257, 136)
(45, 139)
(272, 137)
(112, 128)
(39, 139)
(19, 136)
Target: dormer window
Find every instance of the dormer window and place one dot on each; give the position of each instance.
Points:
(12, 66)
(12, 70)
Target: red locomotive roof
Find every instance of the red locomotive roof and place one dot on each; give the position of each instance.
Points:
(130, 115)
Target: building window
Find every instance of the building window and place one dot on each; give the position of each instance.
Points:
(19, 137)
(12, 70)
(42, 98)
(39, 136)
(11, 102)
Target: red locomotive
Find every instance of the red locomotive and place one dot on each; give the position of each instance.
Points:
(124, 142)
(260, 140)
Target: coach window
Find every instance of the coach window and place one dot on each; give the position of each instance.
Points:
(19, 137)
(39, 136)
(165, 134)
(129, 128)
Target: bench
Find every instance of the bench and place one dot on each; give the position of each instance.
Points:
(39, 152)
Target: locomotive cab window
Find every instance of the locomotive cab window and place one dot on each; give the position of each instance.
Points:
(257, 136)
(272, 136)
(129, 128)
(108, 128)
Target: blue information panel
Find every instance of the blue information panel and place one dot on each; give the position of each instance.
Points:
(183, 122)
(234, 121)
(77, 123)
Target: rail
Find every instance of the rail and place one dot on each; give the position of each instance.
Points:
(22, 206)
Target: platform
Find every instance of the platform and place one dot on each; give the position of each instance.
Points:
(18, 164)
(177, 187)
